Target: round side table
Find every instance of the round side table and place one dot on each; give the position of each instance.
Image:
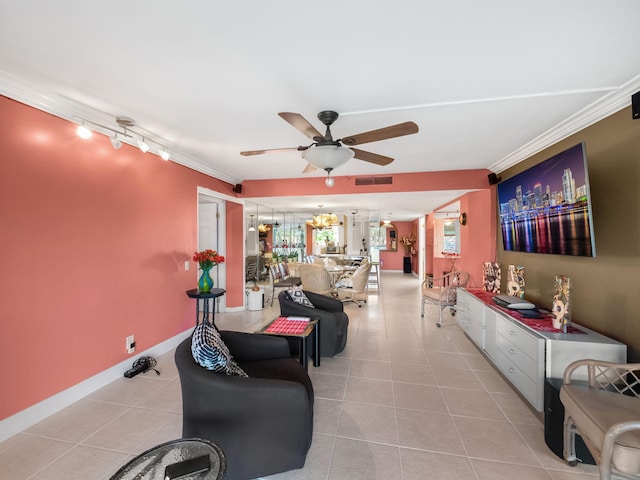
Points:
(206, 297)
(196, 457)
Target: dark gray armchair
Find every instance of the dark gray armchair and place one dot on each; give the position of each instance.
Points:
(264, 423)
(330, 315)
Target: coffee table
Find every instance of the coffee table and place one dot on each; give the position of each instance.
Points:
(284, 326)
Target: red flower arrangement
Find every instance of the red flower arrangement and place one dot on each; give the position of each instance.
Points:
(208, 258)
(452, 256)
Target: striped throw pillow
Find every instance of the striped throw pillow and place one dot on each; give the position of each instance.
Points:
(210, 352)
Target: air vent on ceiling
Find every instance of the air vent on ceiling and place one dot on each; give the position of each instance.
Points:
(374, 181)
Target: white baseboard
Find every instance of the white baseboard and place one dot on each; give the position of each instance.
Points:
(24, 419)
(241, 308)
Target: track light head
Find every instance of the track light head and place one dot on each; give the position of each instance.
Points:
(83, 132)
(115, 142)
(164, 154)
(142, 145)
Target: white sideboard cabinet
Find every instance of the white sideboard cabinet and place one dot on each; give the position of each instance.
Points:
(525, 356)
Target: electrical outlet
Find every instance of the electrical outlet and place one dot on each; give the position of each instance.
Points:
(186, 265)
(130, 344)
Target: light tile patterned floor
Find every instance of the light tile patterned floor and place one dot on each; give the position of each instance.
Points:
(404, 401)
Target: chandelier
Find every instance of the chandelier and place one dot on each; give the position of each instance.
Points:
(262, 228)
(324, 220)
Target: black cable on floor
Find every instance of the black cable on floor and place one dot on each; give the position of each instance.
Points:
(148, 363)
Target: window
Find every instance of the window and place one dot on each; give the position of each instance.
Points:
(451, 236)
(330, 237)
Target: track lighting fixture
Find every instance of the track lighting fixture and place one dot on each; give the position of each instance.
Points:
(124, 134)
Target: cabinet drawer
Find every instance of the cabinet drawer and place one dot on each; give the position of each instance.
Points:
(526, 364)
(521, 339)
(531, 390)
(491, 335)
(463, 311)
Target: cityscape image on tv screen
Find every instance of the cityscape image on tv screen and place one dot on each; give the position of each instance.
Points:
(547, 208)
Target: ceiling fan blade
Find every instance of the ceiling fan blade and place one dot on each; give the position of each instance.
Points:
(273, 150)
(399, 130)
(300, 123)
(309, 168)
(371, 157)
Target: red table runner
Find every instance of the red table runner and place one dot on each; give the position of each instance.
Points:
(542, 324)
(288, 325)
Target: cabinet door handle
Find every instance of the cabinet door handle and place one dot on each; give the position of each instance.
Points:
(513, 370)
(512, 351)
(511, 332)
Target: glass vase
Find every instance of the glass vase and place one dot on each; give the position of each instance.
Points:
(205, 282)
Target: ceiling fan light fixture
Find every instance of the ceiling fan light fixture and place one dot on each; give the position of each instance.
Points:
(327, 156)
(330, 181)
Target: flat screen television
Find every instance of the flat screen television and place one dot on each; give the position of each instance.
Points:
(547, 208)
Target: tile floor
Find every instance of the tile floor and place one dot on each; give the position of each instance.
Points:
(404, 401)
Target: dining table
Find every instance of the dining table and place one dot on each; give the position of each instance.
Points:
(336, 271)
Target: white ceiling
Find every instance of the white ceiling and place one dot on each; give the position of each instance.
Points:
(488, 82)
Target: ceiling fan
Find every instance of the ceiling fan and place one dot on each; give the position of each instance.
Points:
(327, 153)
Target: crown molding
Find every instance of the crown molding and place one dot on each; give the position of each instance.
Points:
(68, 109)
(603, 107)
(63, 107)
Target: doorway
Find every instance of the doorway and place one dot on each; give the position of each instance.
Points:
(212, 234)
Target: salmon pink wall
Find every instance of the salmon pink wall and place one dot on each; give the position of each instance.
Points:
(93, 243)
(402, 182)
(395, 260)
(477, 237)
(234, 255)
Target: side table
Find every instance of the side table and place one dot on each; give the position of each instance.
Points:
(177, 459)
(206, 297)
(312, 328)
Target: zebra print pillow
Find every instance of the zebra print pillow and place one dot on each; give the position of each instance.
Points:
(210, 352)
